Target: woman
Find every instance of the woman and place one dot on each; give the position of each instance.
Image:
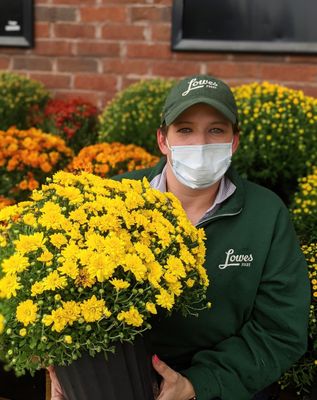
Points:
(257, 327)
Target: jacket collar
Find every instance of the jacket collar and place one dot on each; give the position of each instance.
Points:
(232, 206)
(235, 203)
(157, 169)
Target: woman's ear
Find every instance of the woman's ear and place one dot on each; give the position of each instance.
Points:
(235, 142)
(161, 141)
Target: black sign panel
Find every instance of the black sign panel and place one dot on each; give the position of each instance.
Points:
(245, 25)
(16, 23)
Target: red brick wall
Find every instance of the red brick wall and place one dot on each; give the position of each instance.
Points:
(93, 48)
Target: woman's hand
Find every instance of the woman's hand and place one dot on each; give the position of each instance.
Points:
(56, 390)
(174, 386)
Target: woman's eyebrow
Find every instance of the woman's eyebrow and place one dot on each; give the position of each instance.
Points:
(221, 121)
(183, 122)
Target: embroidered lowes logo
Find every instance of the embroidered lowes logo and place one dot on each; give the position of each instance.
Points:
(236, 260)
(197, 84)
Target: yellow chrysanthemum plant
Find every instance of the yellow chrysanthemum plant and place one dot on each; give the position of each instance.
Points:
(134, 114)
(21, 98)
(278, 135)
(302, 374)
(304, 208)
(88, 262)
(304, 213)
(27, 157)
(109, 159)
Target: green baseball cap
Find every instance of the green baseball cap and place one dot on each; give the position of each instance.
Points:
(199, 89)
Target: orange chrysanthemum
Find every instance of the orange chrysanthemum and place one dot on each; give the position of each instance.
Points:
(27, 157)
(108, 159)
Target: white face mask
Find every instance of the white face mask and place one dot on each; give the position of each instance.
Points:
(200, 166)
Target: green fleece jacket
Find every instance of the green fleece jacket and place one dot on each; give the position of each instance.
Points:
(260, 293)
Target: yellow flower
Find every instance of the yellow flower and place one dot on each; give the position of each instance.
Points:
(68, 339)
(84, 279)
(104, 223)
(73, 194)
(131, 317)
(165, 299)
(101, 267)
(29, 219)
(54, 281)
(72, 311)
(9, 286)
(78, 215)
(170, 277)
(94, 241)
(28, 243)
(70, 252)
(203, 275)
(155, 273)
(3, 241)
(58, 240)
(176, 266)
(46, 256)
(52, 217)
(68, 314)
(15, 264)
(116, 244)
(36, 195)
(186, 257)
(190, 282)
(119, 283)
(8, 212)
(93, 310)
(58, 319)
(134, 264)
(144, 252)
(69, 268)
(2, 323)
(175, 288)
(37, 288)
(151, 308)
(22, 332)
(133, 200)
(26, 312)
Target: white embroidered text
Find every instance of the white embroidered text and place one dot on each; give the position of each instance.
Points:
(236, 260)
(197, 84)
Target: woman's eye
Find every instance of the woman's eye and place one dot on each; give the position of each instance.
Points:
(216, 130)
(184, 130)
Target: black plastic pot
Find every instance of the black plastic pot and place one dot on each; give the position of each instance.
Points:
(125, 375)
(24, 387)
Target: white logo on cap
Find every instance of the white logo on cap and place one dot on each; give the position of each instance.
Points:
(197, 84)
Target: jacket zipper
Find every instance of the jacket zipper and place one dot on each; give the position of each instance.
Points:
(218, 216)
